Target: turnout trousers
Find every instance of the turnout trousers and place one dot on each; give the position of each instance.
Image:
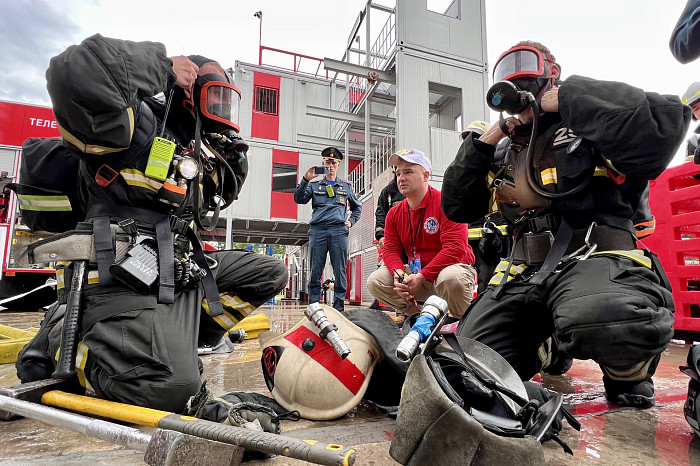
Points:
(610, 308)
(138, 351)
(333, 240)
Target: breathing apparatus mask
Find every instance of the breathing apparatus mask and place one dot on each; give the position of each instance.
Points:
(521, 77)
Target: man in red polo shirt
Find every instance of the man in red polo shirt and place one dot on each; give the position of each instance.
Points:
(439, 257)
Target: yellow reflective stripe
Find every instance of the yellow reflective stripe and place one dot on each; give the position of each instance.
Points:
(93, 277)
(490, 177)
(95, 149)
(80, 362)
(635, 254)
(225, 320)
(44, 203)
(514, 269)
(498, 278)
(549, 176)
(476, 232)
(135, 177)
(600, 171)
(237, 303)
(60, 279)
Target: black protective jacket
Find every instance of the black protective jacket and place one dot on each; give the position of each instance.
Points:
(605, 133)
(101, 92)
(388, 198)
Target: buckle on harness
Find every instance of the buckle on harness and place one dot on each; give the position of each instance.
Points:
(586, 244)
(538, 224)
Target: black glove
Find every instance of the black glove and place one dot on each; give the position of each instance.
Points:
(490, 244)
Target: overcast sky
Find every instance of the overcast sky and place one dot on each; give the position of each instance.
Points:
(622, 40)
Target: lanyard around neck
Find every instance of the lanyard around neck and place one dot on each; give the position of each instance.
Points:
(410, 229)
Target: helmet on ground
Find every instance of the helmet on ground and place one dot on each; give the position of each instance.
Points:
(462, 403)
(304, 373)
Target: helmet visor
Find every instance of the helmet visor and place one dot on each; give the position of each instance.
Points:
(221, 101)
(519, 62)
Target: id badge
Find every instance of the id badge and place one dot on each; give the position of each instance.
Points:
(329, 191)
(414, 264)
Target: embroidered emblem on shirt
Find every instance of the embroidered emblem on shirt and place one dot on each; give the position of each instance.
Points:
(431, 225)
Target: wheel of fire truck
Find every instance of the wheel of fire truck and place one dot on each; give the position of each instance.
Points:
(27, 291)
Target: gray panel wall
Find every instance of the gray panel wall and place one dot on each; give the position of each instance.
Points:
(254, 199)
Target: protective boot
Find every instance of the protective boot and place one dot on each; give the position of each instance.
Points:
(624, 387)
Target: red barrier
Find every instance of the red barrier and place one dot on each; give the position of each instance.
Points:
(674, 199)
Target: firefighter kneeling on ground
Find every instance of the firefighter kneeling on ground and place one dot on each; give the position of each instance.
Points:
(575, 285)
(143, 176)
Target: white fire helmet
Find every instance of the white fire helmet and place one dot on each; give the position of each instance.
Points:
(303, 372)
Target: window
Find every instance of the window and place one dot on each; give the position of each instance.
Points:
(266, 100)
(284, 178)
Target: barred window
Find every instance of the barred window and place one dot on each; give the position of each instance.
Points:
(266, 100)
(284, 177)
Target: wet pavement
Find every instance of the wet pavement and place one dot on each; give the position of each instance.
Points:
(610, 435)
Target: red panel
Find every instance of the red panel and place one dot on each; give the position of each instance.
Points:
(19, 122)
(282, 205)
(263, 125)
(352, 164)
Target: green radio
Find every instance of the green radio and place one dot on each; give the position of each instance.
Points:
(159, 159)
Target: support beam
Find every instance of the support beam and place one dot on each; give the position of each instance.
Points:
(374, 120)
(358, 70)
(325, 142)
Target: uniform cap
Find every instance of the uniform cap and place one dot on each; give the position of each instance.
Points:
(332, 153)
(476, 126)
(411, 156)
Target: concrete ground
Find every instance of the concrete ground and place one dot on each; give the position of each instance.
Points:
(609, 435)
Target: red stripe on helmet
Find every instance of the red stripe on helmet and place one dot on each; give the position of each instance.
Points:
(323, 353)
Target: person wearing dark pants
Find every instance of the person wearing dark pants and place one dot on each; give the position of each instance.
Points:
(331, 198)
(575, 284)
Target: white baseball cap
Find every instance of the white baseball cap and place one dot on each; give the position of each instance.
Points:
(411, 156)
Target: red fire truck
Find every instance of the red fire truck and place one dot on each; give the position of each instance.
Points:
(23, 286)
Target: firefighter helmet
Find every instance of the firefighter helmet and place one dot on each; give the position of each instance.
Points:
(692, 96)
(303, 372)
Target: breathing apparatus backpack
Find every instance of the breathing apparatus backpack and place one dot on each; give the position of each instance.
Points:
(462, 403)
(48, 192)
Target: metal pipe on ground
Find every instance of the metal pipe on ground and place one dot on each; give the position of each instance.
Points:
(163, 447)
(307, 450)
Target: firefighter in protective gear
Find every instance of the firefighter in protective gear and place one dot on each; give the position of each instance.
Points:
(691, 98)
(575, 279)
(143, 178)
(331, 199)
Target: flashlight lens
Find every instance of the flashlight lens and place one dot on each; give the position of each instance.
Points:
(187, 168)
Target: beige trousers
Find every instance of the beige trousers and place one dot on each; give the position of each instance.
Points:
(454, 284)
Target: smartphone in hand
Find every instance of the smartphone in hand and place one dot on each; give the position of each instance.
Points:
(322, 170)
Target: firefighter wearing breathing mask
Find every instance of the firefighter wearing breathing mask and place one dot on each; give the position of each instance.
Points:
(575, 285)
(158, 143)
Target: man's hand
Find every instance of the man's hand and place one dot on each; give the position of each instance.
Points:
(550, 101)
(185, 72)
(309, 175)
(380, 243)
(494, 134)
(410, 286)
(348, 224)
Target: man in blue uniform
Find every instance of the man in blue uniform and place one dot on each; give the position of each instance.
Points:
(330, 198)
